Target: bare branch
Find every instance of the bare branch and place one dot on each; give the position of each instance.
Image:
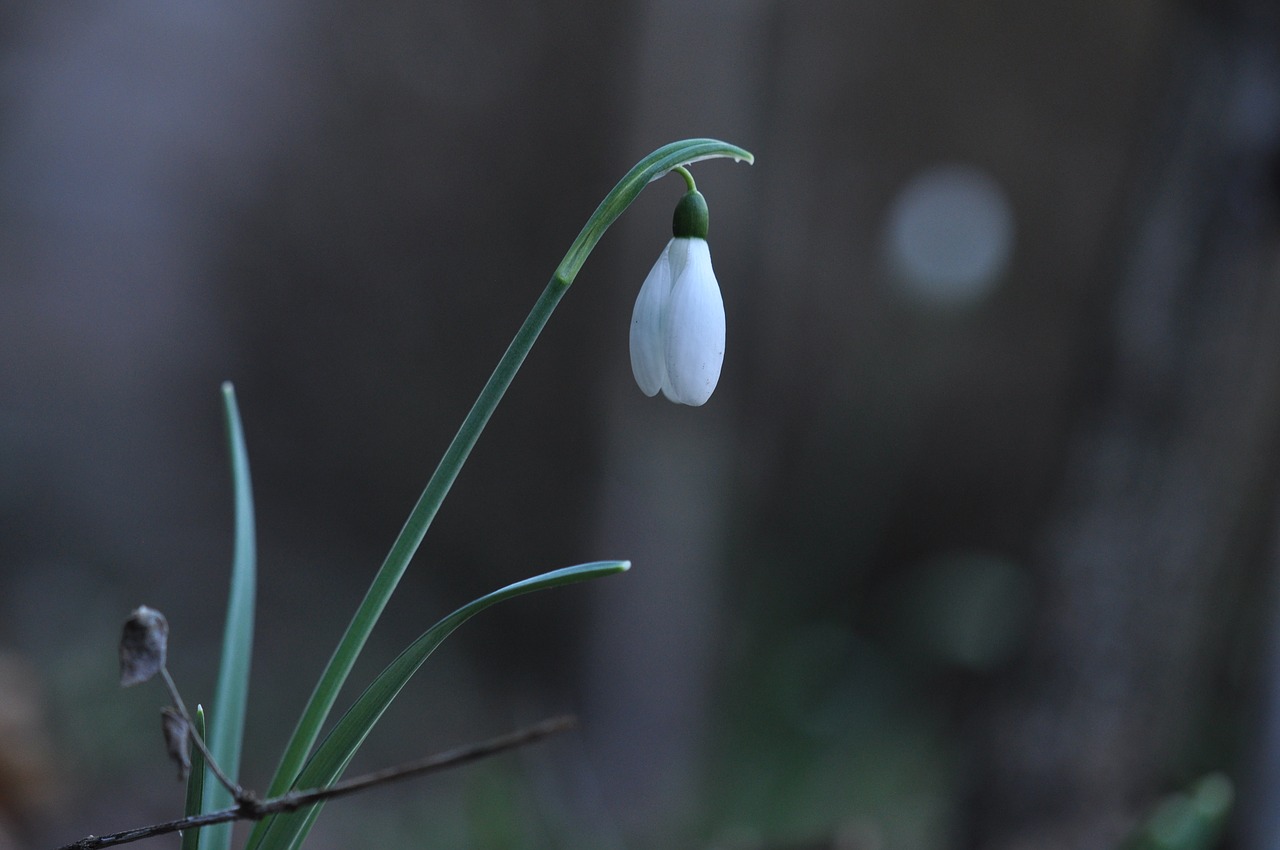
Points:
(249, 809)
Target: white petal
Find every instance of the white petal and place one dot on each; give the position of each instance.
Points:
(678, 255)
(648, 348)
(694, 329)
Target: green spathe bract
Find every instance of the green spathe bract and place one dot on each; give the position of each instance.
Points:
(299, 768)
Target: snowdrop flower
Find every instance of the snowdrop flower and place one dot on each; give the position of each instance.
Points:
(677, 327)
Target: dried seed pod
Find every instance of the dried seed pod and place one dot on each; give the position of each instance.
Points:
(142, 646)
(177, 739)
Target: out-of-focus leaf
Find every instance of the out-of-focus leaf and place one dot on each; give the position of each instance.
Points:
(230, 701)
(1191, 820)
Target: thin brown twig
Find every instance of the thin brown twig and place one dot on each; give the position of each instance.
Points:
(251, 809)
(230, 784)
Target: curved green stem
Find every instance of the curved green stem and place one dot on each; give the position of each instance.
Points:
(653, 166)
(688, 177)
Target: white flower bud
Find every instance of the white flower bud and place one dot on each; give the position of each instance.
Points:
(677, 327)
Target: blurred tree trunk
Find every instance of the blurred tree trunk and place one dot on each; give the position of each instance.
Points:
(667, 477)
(1169, 496)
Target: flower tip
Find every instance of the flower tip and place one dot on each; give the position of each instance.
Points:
(692, 396)
(649, 390)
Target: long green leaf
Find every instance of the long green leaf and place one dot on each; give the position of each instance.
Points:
(406, 545)
(195, 786)
(226, 733)
(284, 831)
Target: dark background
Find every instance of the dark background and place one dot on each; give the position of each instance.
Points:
(973, 547)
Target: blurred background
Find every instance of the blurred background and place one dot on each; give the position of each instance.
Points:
(975, 545)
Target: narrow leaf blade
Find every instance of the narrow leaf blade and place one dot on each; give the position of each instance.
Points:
(232, 694)
(195, 787)
(285, 831)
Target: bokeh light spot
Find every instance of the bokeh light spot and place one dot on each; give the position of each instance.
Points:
(949, 236)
